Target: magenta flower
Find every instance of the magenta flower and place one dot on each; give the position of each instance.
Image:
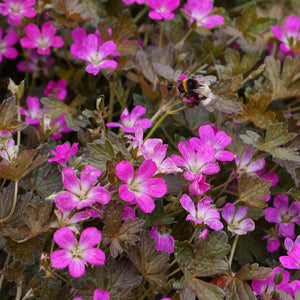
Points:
(236, 220)
(34, 112)
(290, 36)
(101, 295)
(41, 39)
(95, 54)
(155, 150)
(56, 88)
(16, 9)
(137, 139)
(162, 9)
(198, 186)
(35, 63)
(204, 213)
(217, 139)
(69, 220)
(247, 165)
(130, 120)
(75, 254)
(292, 260)
(63, 153)
(164, 241)
(198, 11)
(284, 215)
(273, 242)
(60, 127)
(81, 193)
(196, 163)
(269, 286)
(140, 186)
(10, 153)
(6, 42)
(128, 213)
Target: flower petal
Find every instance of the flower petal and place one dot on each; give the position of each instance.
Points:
(125, 171)
(61, 258)
(94, 256)
(65, 238)
(89, 237)
(76, 267)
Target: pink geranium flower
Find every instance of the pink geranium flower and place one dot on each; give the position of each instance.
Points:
(57, 88)
(81, 193)
(41, 39)
(164, 241)
(130, 120)
(60, 127)
(6, 42)
(284, 215)
(204, 213)
(218, 139)
(34, 112)
(162, 9)
(292, 260)
(35, 63)
(76, 254)
(198, 10)
(155, 150)
(70, 220)
(94, 53)
(269, 286)
(201, 162)
(63, 153)
(290, 36)
(236, 220)
(98, 295)
(140, 186)
(16, 9)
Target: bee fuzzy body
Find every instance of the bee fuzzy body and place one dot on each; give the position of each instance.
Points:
(196, 89)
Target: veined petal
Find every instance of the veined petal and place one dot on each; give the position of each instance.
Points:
(76, 267)
(188, 204)
(65, 238)
(224, 155)
(70, 180)
(145, 203)
(107, 48)
(178, 160)
(57, 42)
(146, 170)
(126, 194)
(32, 31)
(155, 187)
(48, 31)
(206, 133)
(66, 201)
(10, 52)
(240, 213)
(108, 64)
(187, 152)
(278, 33)
(100, 194)
(212, 21)
(94, 256)
(78, 35)
(125, 171)
(61, 258)
(28, 43)
(137, 112)
(101, 295)
(292, 25)
(10, 39)
(88, 176)
(89, 237)
(228, 212)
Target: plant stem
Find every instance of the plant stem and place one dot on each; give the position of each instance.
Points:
(14, 204)
(5, 264)
(174, 272)
(111, 101)
(140, 14)
(63, 279)
(19, 119)
(236, 238)
(19, 290)
(168, 112)
(161, 33)
(193, 235)
(66, 49)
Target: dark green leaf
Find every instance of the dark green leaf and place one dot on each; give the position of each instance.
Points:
(23, 251)
(151, 263)
(252, 190)
(14, 272)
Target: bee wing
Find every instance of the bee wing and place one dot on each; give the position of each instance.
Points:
(208, 79)
(203, 90)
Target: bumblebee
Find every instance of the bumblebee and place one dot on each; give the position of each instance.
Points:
(196, 88)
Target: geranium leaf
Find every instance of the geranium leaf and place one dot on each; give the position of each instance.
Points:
(24, 164)
(276, 136)
(23, 251)
(253, 190)
(151, 263)
(8, 112)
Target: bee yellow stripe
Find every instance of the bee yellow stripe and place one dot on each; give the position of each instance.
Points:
(184, 82)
